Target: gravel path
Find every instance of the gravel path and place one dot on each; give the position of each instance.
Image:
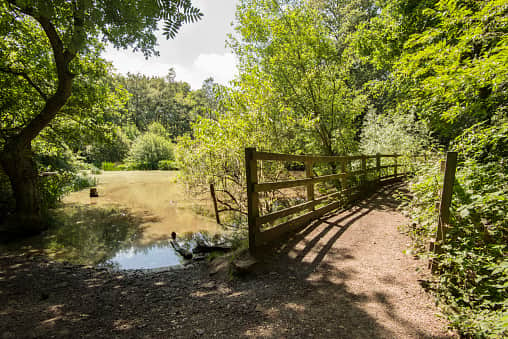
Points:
(342, 277)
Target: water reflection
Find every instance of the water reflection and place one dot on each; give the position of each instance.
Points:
(128, 226)
(161, 254)
(109, 237)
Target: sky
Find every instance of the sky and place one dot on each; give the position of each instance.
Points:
(196, 53)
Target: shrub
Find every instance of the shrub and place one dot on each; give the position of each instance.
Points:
(473, 280)
(52, 188)
(393, 133)
(111, 166)
(113, 148)
(83, 180)
(167, 165)
(149, 149)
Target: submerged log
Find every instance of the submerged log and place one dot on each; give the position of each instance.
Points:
(203, 248)
(180, 250)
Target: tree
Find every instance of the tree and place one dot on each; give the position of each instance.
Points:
(445, 61)
(46, 46)
(158, 99)
(295, 51)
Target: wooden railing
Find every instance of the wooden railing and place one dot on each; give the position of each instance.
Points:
(351, 167)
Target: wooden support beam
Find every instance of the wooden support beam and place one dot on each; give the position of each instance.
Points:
(252, 198)
(363, 178)
(444, 206)
(378, 166)
(294, 224)
(309, 173)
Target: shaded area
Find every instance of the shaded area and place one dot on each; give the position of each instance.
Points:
(331, 281)
(107, 236)
(128, 226)
(84, 234)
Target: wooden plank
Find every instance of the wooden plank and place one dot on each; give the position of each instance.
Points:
(309, 173)
(387, 176)
(252, 198)
(303, 158)
(389, 155)
(295, 209)
(293, 224)
(271, 186)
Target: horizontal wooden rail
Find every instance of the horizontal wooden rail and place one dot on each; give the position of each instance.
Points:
(295, 209)
(275, 232)
(271, 186)
(303, 158)
(361, 177)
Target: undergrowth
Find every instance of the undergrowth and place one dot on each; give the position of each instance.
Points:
(472, 283)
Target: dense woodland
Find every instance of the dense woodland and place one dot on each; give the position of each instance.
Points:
(315, 77)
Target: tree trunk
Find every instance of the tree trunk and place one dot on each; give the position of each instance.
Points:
(19, 166)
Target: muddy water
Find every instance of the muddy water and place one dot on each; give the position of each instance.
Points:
(155, 196)
(128, 226)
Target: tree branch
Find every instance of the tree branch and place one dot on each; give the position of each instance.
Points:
(27, 78)
(55, 102)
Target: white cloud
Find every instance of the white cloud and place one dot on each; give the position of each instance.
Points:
(222, 67)
(197, 52)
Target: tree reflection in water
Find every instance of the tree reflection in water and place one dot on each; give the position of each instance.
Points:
(107, 236)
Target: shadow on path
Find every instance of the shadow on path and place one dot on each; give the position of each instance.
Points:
(313, 286)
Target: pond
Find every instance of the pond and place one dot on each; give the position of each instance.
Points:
(129, 225)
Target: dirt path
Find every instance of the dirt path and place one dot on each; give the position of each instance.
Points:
(343, 277)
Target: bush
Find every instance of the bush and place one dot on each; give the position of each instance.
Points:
(111, 166)
(395, 133)
(473, 280)
(112, 149)
(52, 188)
(149, 149)
(83, 180)
(167, 165)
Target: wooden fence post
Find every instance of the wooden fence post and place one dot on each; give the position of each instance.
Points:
(343, 178)
(364, 171)
(378, 166)
(309, 174)
(395, 166)
(214, 199)
(251, 171)
(446, 201)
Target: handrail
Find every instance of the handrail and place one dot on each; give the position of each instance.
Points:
(258, 237)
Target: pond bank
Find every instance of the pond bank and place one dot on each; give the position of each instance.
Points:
(344, 277)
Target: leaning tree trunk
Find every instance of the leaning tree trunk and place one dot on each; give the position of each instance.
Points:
(19, 166)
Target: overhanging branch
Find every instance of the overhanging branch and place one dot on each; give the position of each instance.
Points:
(27, 78)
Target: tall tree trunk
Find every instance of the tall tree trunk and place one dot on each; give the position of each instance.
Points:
(18, 164)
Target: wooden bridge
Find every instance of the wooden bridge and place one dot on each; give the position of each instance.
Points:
(356, 175)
